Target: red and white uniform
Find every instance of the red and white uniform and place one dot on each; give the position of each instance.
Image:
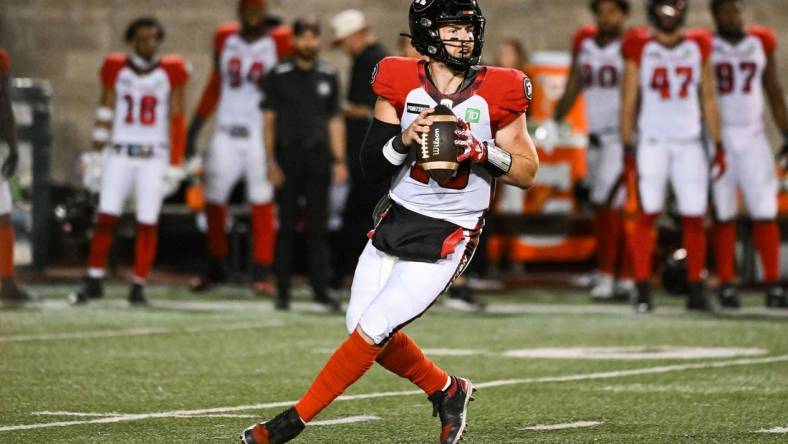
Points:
(237, 149)
(602, 68)
(138, 153)
(669, 124)
(5, 192)
(388, 292)
(739, 69)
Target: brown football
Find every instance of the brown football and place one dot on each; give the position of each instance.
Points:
(437, 153)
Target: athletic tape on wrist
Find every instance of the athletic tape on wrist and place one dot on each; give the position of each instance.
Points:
(100, 135)
(391, 154)
(499, 161)
(105, 114)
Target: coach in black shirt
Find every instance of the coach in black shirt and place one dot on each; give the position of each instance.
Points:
(305, 140)
(352, 34)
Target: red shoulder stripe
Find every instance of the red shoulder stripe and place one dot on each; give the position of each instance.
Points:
(766, 35)
(178, 70)
(113, 63)
(394, 78)
(283, 37)
(703, 38)
(634, 41)
(585, 32)
(224, 31)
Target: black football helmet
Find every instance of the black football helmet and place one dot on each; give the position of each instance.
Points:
(427, 16)
(675, 10)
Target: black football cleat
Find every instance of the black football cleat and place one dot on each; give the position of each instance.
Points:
(728, 297)
(215, 274)
(452, 407)
(697, 300)
(286, 426)
(137, 296)
(92, 288)
(644, 301)
(776, 297)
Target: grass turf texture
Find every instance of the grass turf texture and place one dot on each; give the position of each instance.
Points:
(230, 350)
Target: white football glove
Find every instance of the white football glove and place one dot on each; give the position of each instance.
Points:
(172, 180)
(547, 134)
(90, 163)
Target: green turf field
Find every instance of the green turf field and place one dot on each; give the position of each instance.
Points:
(202, 369)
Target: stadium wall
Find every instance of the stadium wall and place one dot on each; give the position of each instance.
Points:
(65, 40)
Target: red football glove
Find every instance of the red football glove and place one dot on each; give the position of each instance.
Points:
(472, 148)
(719, 164)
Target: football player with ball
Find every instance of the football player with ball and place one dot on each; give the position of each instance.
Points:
(427, 228)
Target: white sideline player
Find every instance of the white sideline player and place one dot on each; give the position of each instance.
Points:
(668, 71)
(746, 70)
(597, 69)
(243, 54)
(141, 129)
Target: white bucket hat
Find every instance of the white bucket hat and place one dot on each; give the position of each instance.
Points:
(347, 23)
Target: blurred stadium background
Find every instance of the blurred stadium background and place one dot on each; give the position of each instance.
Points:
(228, 351)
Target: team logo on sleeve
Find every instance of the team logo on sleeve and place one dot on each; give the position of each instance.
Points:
(529, 88)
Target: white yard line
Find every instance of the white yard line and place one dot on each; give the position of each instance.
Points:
(135, 332)
(506, 382)
(774, 430)
(571, 425)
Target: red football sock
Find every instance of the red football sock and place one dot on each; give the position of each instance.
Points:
(767, 242)
(626, 265)
(403, 357)
(264, 232)
(351, 360)
(725, 249)
(695, 243)
(145, 251)
(642, 246)
(102, 241)
(6, 252)
(217, 237)
(608, 233)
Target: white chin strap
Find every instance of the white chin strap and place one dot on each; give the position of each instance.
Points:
(143, 64)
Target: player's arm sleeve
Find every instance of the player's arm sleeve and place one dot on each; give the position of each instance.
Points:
(375, 165)
(633, 44)
(767, 37)
(385, 84)
(513, 93)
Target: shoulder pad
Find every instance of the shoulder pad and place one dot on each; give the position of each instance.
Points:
(224, 31)
(703, 38)
(633, 42)
(766, 35)
(393, 78)
(508, 92)
(585, 32)
(177, 68)
(112, 65)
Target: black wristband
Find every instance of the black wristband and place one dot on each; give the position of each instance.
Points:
(399, 146)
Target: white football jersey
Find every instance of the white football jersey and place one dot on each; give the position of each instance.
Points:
(494, 99)
(242, 66)
(601, 69)
(739, 68)
(142, 99)
(670, 79)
